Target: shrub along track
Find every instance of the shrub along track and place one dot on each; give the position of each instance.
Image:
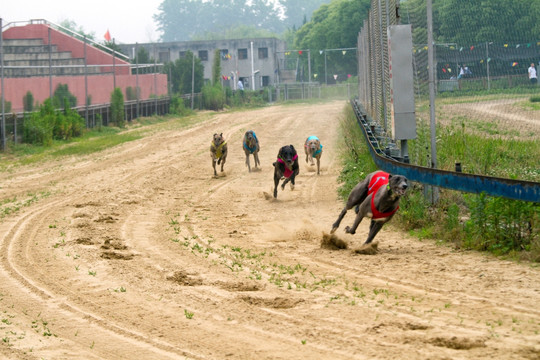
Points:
(139, 252)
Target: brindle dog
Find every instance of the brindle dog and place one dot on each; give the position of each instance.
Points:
(218, 151)
(251, 146)
(286, 167)
(377, 197)
(313, 149)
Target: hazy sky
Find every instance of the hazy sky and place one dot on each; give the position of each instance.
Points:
(127, 21)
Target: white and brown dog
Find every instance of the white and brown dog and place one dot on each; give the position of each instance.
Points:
(251, 147)
(218, 151)
(313, 148)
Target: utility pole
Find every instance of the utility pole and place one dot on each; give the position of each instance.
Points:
(431, 71)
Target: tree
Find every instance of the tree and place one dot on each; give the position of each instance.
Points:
(334, 25)
(72, 25)
(298, 12)
(180, 20)
(180, 74)
(61, 93)
(117, 108)
(216, 69)
(475, 22)
(143, 57)
(28, 101)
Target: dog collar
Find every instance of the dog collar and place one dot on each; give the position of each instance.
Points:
(288, 172)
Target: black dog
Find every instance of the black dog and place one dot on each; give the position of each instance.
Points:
(285, 167)
(377, 197)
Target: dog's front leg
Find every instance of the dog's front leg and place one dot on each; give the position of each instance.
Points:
(214, 165)
(223, 158)
(318, 165)
(247, 162)
(276, 182)
(374, 228)
(256, 158)
(284, 183)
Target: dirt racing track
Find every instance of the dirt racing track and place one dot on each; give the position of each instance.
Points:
(138, 252)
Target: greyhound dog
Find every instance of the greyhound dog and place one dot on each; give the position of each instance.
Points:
(285, 167)
(377, 197)
(313, 149)
(251, 146)
(218, 151)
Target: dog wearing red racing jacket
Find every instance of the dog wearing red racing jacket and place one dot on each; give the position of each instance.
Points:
(377, 197)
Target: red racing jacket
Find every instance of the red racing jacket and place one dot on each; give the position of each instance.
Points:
(378, 180)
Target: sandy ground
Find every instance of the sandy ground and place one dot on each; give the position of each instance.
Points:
(138, 252)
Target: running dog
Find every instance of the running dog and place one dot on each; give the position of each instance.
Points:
(313, 149)
(286, 167)
(218, 151)
(377, 197)
(251, 146)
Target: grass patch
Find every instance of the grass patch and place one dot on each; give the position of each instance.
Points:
(95, 140)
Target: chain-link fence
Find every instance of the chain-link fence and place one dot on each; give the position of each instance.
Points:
(481, 87)
(373, 63)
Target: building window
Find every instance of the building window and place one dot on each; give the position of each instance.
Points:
(203, 55)
(182, 54)
(263, 53)
(242, 54)
(265, 81)
(164, 56)
(224, 54)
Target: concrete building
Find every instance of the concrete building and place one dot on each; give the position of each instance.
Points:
(256, 62)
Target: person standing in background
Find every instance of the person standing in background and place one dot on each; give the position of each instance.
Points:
(532, 74)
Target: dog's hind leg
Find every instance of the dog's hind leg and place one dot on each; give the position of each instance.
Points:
(338, 221)
(374, 228)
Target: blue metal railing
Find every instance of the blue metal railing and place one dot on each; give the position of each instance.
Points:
(493, 186)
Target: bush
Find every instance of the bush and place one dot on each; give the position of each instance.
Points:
(132, 93)
(213, 97)
(501, 225)
(117, 108)
(48, 124)
(61, 94)
(28, 102)
(38, 128)
(7, 107)
(177, 106)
